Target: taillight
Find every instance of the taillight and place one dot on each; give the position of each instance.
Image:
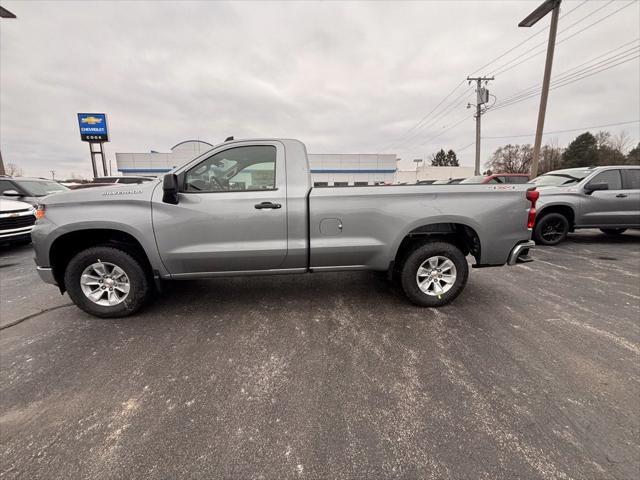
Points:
(39, 211)
(532, 196)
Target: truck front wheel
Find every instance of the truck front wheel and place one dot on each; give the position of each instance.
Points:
(107, 282)
(434, 274)
(551, 229)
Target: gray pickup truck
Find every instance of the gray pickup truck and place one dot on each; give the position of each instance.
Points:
(607, 198)
(247, 208)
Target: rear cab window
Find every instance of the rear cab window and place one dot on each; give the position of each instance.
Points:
(631, 179)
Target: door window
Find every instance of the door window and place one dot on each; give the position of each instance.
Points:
(248, 168)
(610, 177)
(633, 179)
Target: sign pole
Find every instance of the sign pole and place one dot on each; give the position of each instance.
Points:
(93, 161)
(104, 160)
(94, 130)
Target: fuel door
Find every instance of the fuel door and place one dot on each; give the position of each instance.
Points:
(331, 227)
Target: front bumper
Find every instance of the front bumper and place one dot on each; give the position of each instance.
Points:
(520, 253)
(46, 275)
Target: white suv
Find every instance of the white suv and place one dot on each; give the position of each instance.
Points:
(16, 221)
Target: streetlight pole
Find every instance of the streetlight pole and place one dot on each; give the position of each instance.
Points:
(552, 6)
(417, 161)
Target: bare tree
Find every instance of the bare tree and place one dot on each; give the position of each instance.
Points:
(13, 170)
(511, 159)
(550, 157)
(603, 139)
(621, 142)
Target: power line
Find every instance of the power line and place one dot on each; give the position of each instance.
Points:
(502, 68)
(534, 94)
(563, 131)
(568, 74)
(417, 125)
(446, 130)
(561, 31)
(525, 40)
(440, 116)
(421, 123)
(458, 150)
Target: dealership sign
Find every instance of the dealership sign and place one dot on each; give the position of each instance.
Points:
(93, 127)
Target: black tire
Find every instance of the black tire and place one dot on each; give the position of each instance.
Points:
(613, 231)
(409, 271)
(140, 285)
(551, 229)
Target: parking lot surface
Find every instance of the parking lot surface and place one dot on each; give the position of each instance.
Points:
(532, 373)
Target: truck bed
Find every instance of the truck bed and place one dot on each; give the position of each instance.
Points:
(375, 219)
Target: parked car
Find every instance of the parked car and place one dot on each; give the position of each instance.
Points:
(449, 181)
(509, 178)
(248, 207)
(607, 198)
(16, 221)
(122, 180)
(110, 181)
(29, 190)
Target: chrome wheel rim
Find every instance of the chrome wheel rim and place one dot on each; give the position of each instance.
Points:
(105, 284)
(436, 276)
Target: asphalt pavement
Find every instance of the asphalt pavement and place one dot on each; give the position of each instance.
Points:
(532, 373)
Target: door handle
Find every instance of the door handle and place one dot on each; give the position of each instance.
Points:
(263, 205)
(621, 195)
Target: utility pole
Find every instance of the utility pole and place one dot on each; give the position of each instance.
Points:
(552, 6)
(4, 13)
(53, 174)
(481, 99)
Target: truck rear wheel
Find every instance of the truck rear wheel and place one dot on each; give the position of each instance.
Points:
(434, 274)
(107, 282)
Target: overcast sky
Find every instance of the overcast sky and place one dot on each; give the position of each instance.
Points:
(344, 77)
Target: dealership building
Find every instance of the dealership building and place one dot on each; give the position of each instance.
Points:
(326, 169)
(340, 169)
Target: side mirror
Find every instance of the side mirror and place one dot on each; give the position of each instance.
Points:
(11, 193)
(594, 187)
(170, 189)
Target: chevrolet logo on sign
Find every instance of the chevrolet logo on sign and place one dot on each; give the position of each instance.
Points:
(93, 127)
(90, 120)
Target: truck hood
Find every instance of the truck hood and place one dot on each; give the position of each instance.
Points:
(113, 192)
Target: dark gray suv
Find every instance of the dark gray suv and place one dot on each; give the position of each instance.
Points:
(607, 198)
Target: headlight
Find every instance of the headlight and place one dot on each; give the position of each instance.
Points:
(39, 213)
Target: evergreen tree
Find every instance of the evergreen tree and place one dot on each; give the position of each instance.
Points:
(439, 159)
(633, 157)
(582, 152)
(452, 159)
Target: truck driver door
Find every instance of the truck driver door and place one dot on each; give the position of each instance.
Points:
(231, 213)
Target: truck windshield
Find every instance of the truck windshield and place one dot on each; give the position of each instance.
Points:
(36, 188)
(558, 179)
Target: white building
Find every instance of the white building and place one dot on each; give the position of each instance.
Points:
(345, 169)
(326, 169)
(156, 163)
(427, 172)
